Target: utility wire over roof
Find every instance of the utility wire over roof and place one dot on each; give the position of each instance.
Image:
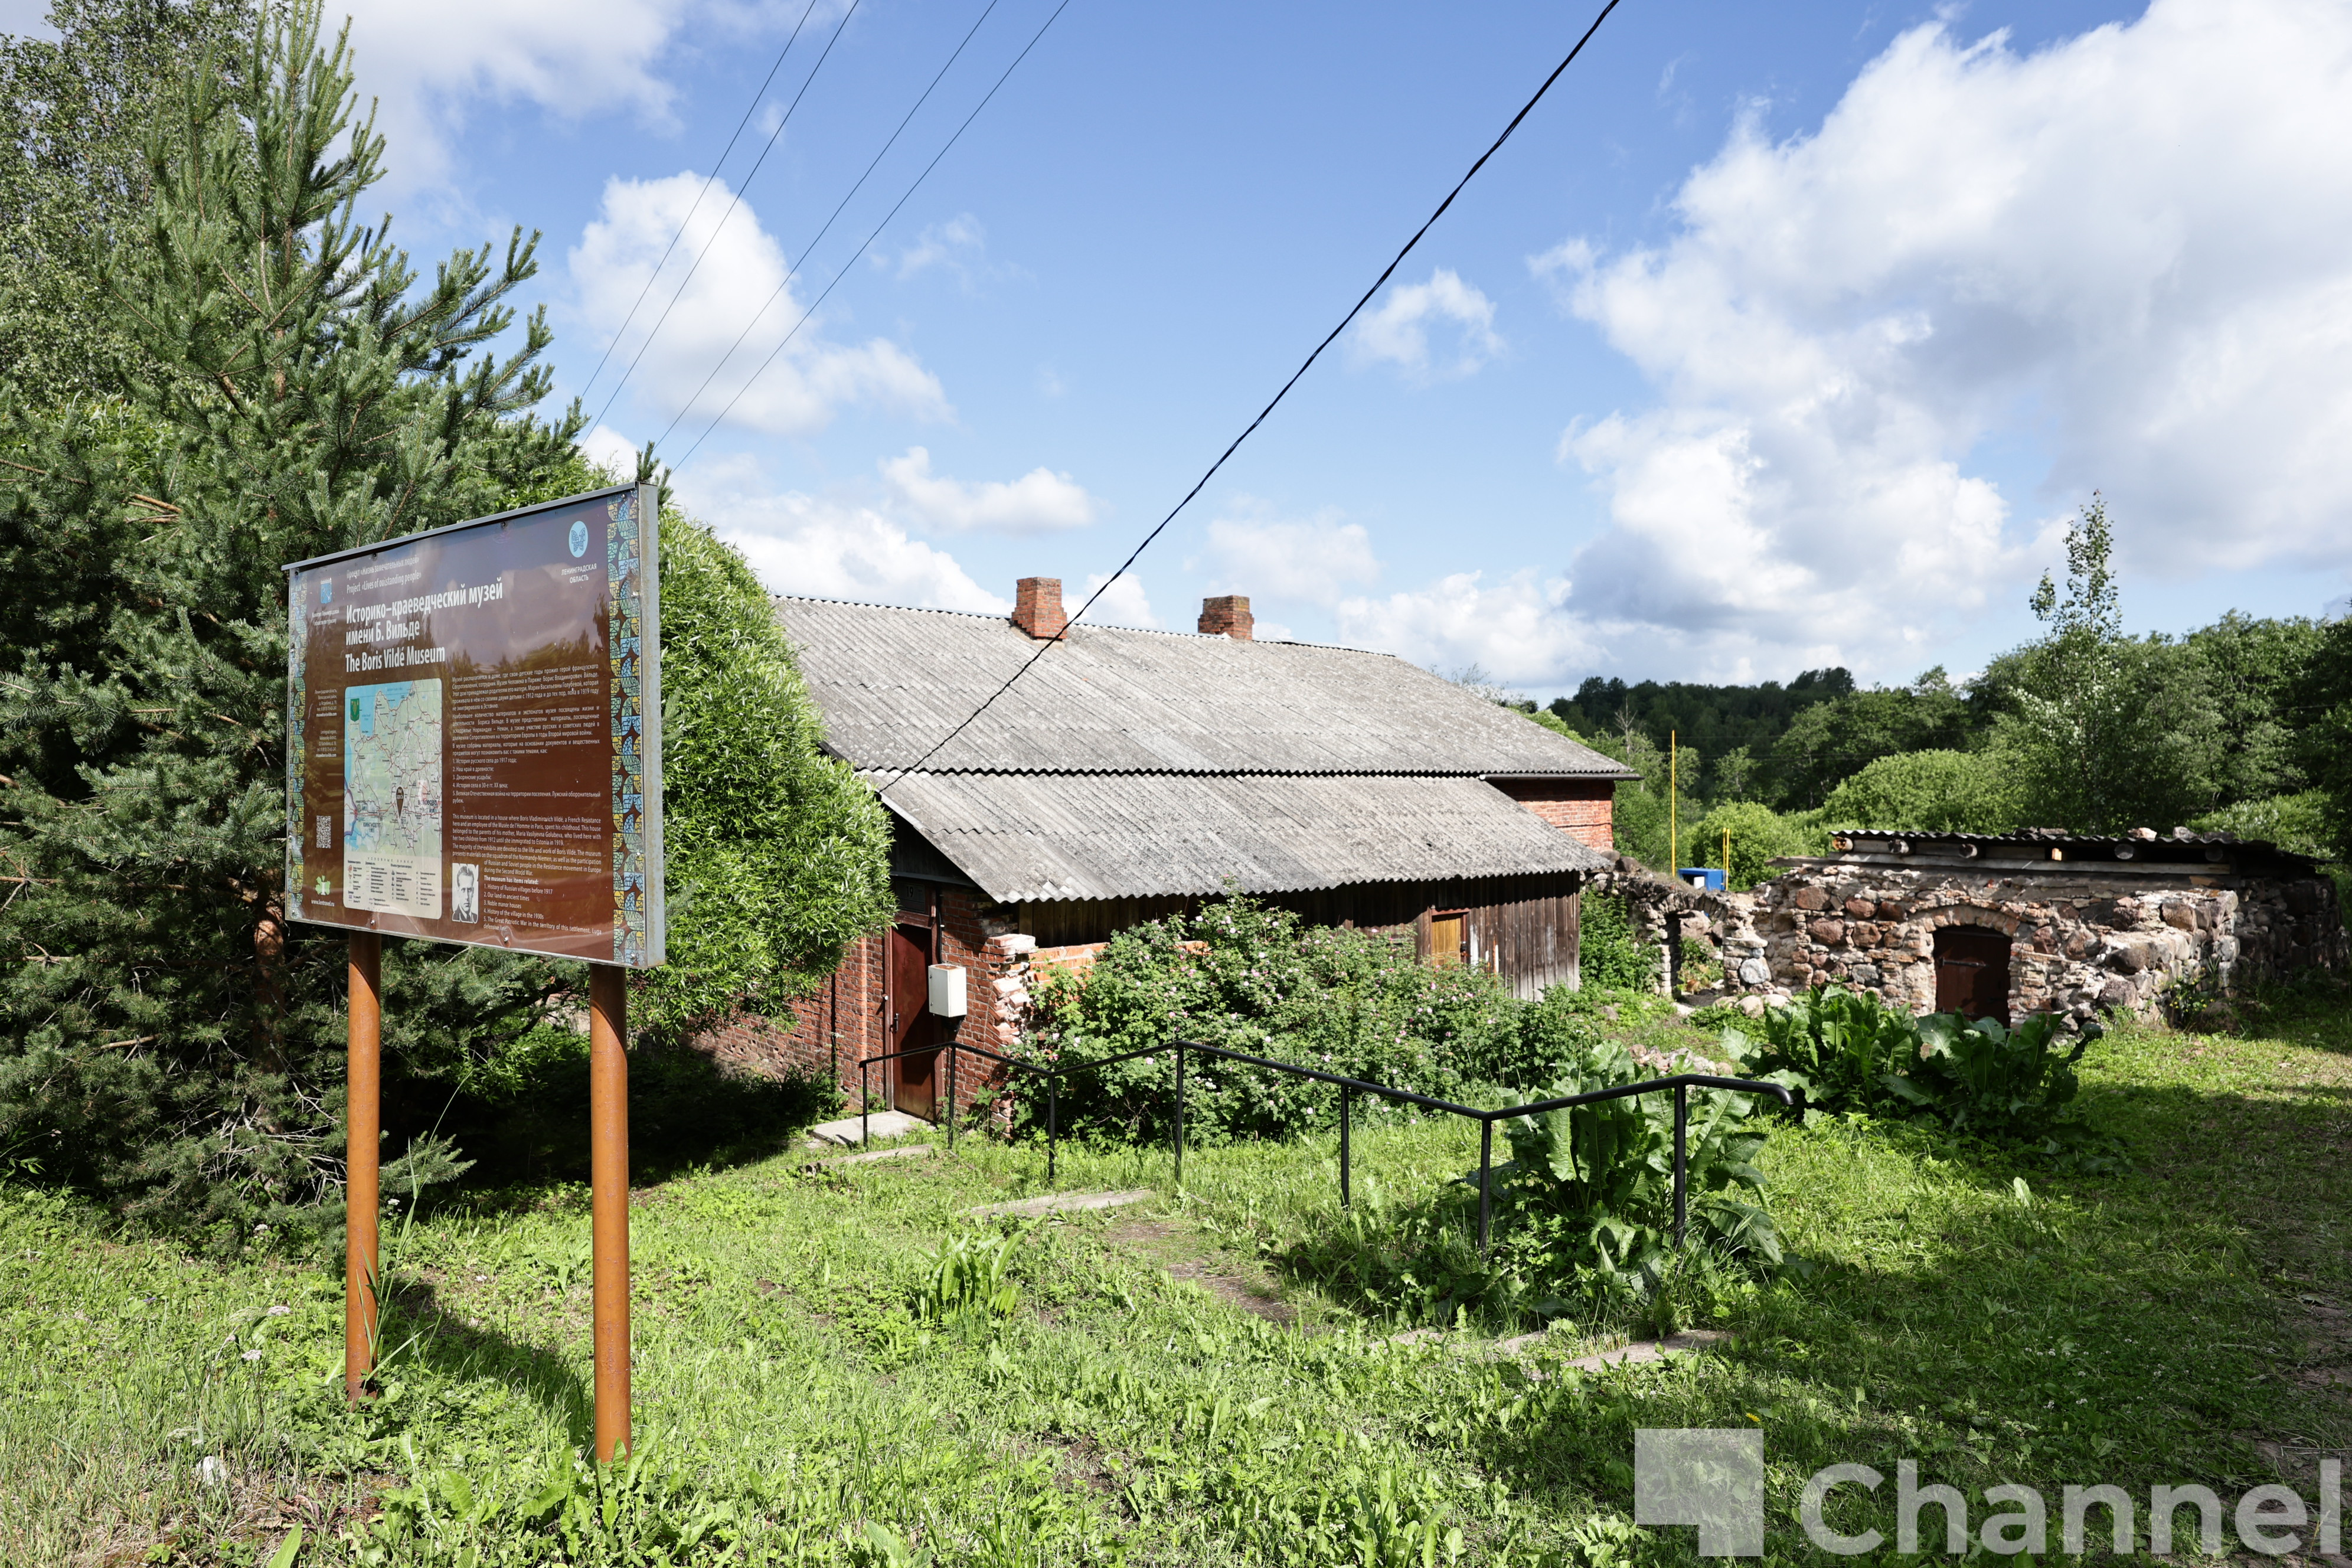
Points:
(1116, 700)
(1139, 763)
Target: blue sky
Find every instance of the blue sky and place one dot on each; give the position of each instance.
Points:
(1779, 336)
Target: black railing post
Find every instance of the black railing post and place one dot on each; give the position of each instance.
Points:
(1053, 1124)
(1347, 1106)
(1486, 1181)
(1180, 1116)
(864, 1099)
(951, 1088)
(1681, 1126)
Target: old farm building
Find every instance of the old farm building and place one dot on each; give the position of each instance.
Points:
(1132, 774)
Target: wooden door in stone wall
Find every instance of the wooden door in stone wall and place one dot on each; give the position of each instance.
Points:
(914, 1085)
(1972, 972)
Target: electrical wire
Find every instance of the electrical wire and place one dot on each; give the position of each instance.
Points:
(805, 250)
(1328, 338)
(872, 236)
(732, 204)
(622, 330)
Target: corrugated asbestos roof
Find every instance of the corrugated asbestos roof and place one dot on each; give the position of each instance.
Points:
(892, 682)
(1133, 764)
(1104, 835)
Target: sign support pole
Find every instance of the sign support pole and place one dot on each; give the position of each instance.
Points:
(363, 1125)
(608, 1139)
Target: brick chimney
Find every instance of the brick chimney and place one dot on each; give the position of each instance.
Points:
(1227, 614)
(1037, 608)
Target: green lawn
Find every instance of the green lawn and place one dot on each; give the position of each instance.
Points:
(2180, 1317)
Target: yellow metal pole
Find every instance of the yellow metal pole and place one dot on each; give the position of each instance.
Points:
(1726, 860)
(1674, 802)
(362, 1128)
(608, 1175)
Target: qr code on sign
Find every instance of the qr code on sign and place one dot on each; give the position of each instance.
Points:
(326, 833)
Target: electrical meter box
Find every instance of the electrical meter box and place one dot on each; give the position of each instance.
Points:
(947, 990)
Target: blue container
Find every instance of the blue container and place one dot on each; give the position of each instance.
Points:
(1708, 877)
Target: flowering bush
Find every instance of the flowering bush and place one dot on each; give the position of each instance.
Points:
(1253, 978)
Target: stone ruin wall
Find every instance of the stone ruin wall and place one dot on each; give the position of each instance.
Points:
(2080, 943)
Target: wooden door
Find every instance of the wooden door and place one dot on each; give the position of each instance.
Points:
(1448, 937)
(914, 1086)
(1973, 973)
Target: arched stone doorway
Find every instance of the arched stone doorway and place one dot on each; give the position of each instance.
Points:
(1972, 972)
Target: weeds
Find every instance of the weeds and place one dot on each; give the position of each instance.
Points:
(2152, 1323)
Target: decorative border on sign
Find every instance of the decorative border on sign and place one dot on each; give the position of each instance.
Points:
(296, 744)
(624, 579)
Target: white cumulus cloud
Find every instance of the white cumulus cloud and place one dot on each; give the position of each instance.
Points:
(1518, 629)
(825, 548)
(1397, 329)
(1039, 501)
(426, 61)
(1315, 560)
(2128, 246)
(741, 265)
(1122, 604)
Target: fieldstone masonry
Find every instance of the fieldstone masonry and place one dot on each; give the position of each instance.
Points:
(2082, 938)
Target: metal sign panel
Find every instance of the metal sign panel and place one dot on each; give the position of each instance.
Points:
(473, 721)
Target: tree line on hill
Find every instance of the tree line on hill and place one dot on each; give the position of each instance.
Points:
(2239, 726)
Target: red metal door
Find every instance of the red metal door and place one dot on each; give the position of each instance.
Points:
(1973, 973)
(914, 1086)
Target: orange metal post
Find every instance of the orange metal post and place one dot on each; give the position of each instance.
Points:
(608, 1158)
(362, 1124)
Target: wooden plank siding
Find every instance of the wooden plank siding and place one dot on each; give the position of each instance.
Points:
(1523, 928)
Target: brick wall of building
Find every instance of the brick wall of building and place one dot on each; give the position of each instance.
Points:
(1578, 807)
(829, 1034)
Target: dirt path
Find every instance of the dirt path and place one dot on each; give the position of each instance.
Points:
(1185, 1254)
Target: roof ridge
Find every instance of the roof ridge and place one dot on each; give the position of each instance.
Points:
(1093, 626)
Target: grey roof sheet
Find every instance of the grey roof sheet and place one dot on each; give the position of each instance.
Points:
(892, 681)
(1097, 835)
(2179, 845)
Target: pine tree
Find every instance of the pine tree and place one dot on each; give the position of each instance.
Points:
(292, 389)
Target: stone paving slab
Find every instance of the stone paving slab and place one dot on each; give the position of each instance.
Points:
(1639, 1353)
(912, 1151)
(846, 1134)
(1059, 1203)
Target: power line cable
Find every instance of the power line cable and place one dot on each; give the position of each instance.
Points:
(805, 250)
(622, 330)
(732, 204)
(872, 236)
(1328, 338)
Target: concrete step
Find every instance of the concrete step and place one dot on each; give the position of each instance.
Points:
(1059, 1203)
(850, 1131)
(1641, 1352)
(912, 1151)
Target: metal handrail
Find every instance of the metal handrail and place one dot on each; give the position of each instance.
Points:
(1680, 1084)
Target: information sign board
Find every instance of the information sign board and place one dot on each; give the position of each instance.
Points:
(473, 734)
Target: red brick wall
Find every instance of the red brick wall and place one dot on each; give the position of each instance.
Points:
(1579, 807)
(842, 1024)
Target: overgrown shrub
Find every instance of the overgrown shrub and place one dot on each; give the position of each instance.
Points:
(1929, 792)
(1583, 1217)
(1757, 835)
(1249, 978)
(1593, 1185)
(1848, 1051)
(2293, 822)
(1609, 952)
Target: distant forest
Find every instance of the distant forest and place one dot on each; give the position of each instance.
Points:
(2244, 725)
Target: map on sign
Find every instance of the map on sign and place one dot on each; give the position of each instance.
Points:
(392, 797)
